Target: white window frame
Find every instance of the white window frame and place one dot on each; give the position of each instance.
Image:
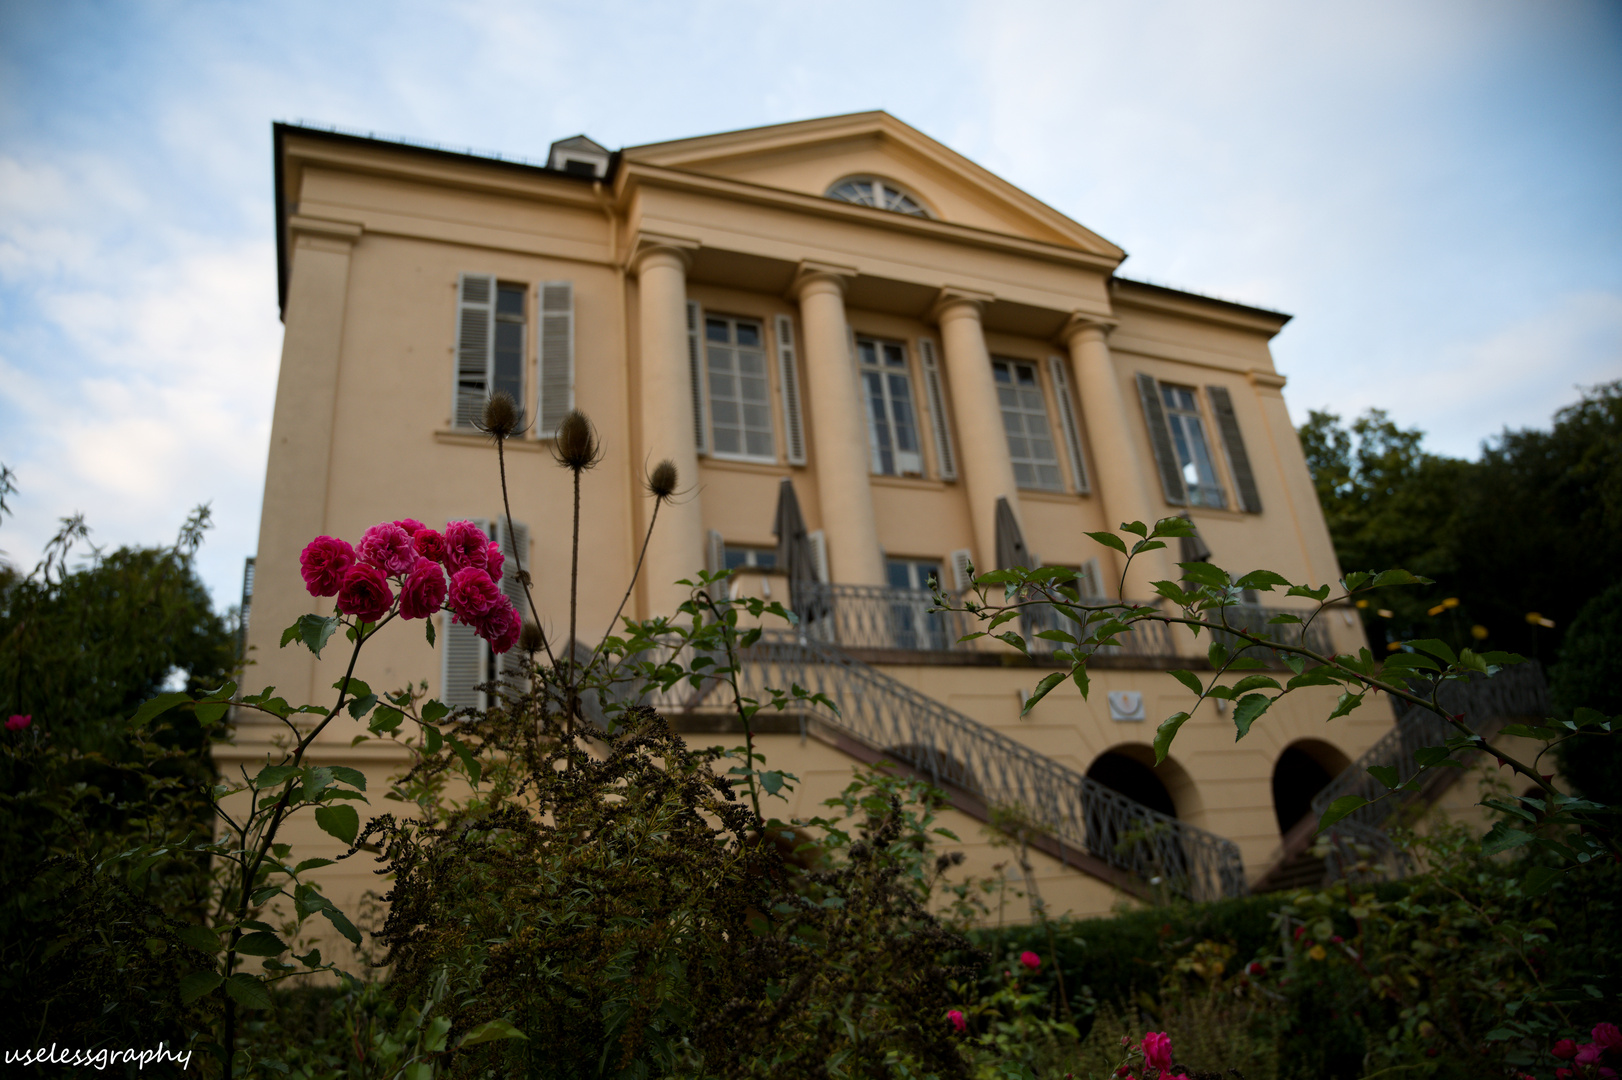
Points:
(1034, 464)
(1188, 428)
(907, 462)
(881, 194)
(761, 325)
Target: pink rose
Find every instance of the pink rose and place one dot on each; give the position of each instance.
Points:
(1608, 1035)
(1030, 960)
(410, 525)
(472, 594)
(500, 626)
(1157, 1050)
(493, 560)
(423, 592)
(19, 721)
(1256, 968)
(388, 547)
(323, 562)
(957, 1020)
(1565, 1049)
(465, 546)
(429, 544)
(1563, 1074)
(365, 593)
(1589, 1054)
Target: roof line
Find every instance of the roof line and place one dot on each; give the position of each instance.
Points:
(1170, 290)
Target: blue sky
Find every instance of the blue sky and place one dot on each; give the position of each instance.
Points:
(1434, 190)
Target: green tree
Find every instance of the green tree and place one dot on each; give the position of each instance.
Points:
(1590, 675)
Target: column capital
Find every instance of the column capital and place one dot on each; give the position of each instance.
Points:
(954, 297)
(645, 245)
(1081, 322)
(810, 272)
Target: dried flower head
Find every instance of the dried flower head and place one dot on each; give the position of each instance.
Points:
(576, 446)
(530, 639)
(662, 481)
(502, 417)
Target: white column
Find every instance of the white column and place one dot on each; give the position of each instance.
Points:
(677, 550)
(838, 431)
(987, 471)
(1119, 480)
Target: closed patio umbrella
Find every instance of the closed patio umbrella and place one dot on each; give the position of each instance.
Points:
(794, 554)
(1011, 550)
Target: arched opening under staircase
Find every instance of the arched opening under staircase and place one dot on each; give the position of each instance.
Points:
(1123, 772)
(1302, 770)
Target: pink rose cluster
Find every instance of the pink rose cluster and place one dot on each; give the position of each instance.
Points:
(20, 721)
(1157, 1060)
(418, 560)
(1591, 1059)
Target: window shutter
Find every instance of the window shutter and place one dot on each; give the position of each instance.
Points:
(715, 561)
(515, 548)
(1171, 478)
(695, 373)
(819, 554)
(1089, 582)
(962, 563)
(788, 377)
(475, 346)
(935, 395)
(463, 657)
(1067, 420)
(556, 356)
(1244, 479)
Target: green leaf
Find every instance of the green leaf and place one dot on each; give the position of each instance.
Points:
(1173, 527)
(1203, 573)
(1340, 808)
(1318, 676)
(386, 719)
(209, 713)
(1146, 545)
(1049, 681)
(1397, 577)
(1109, 539)
(197, 984)
(1011, 638)
(490, 1031)
(1165, 733)
(432, 739)
(771, 781)
(1399, 664)
(1255, 682)
(1217, 654)
(311, 959)
(341, 921)
(312, 631)
(274, 776)
(1501, 838)
(247, 991)
(345, 775)
(1261, 580)
(1348, 701)
(340, 821)
(1190, 680)
(433, 711)
(1174, 592)
(1057, 635)
(359, 707)
(1136, 528)
(469, 762)
(311, 864)
(261, 944)
(1247, 710)
(1527, 731)
(1318, 594)
(1431, 756)
(1538, 880)
(200, 938)
(1078, 674)
(1386, 774)
(156, 707)
(1439, 649)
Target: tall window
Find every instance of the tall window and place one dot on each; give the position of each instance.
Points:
(507, 372)
(866, 191)
(1193, 451)
(911, 624)
(1025, 420)
(912, 573)
(489, 344)
(892, 423)
(740, 402)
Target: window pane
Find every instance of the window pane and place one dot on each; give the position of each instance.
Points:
(740, 390)
(510, 300)
(717, 330)
(899, 574)
(1025, 421)
(892, 425)
(748, 334)
(1193, 452)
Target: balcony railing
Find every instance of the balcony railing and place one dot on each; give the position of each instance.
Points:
(886, 715)
(1256, 619)
(877, 617)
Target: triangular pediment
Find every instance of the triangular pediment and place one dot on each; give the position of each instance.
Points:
(811, 156)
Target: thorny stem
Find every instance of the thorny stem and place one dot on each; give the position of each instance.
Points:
(518, 559)
(646, 540)
(574, 586)
(250, 868)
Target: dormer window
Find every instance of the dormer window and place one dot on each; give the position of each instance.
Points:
(580, 156)
(868, 191)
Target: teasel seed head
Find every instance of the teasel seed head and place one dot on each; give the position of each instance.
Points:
(502, 418)
(576, 446)
(662, 481)
(530, 638)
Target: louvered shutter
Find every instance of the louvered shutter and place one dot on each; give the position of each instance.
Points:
(475, 346)
(1244, 479)
(695, 374)
(1067, 420)
(556, 356)
(1154, 415)
(788, 377)
(962, 566)
(464, 659)
(515, 549)
(1089, 582)
(715, 561)
(819, 554)
(935, 395)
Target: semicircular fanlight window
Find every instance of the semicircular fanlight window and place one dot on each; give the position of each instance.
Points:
(870, 192)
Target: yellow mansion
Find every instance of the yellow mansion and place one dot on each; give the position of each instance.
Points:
(937, 367)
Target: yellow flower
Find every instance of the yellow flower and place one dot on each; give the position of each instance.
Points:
(1478, 632)
(1451, 602)
(1317, 952)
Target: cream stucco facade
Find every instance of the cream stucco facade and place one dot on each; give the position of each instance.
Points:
(1001, 313)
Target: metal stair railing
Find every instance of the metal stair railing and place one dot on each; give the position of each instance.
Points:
(1513, 692)
(1253, 619)
(1078, 813)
